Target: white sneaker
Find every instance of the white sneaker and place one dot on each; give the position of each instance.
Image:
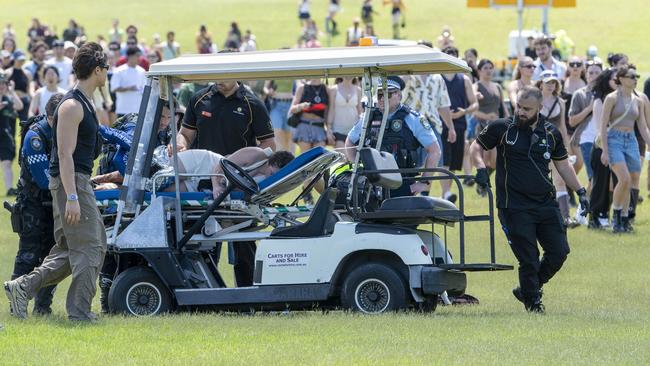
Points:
(604, 221)
(582, 220)
(17, 299)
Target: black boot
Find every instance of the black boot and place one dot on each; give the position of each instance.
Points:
(105, 283)
(634, 199)
(627, 225)
(617, 227)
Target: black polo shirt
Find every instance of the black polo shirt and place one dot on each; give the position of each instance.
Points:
(523, 174)
(225, 125)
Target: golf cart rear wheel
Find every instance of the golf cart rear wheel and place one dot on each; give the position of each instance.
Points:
(138, 291)
(374, 288)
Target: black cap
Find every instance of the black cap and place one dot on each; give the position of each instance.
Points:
(393, 83)
(58, 43)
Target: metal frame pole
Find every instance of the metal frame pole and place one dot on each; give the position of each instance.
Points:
(177, 190)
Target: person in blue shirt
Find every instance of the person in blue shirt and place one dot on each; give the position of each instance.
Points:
(32, 213)
(406, 134)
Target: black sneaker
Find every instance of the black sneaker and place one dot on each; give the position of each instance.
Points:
(469, 182)
(537, 307)
(38, 311)
(518, 294)
(481, 191)
(12, 192)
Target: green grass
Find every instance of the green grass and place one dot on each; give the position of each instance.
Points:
(597, 305)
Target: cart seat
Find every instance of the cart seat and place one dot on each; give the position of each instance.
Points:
(414, 211)
(320, 223)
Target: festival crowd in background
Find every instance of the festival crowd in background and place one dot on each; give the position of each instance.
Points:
(594, 102)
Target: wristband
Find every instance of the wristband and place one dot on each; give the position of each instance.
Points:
(73, 197)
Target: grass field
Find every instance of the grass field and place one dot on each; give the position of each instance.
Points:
(597, 306)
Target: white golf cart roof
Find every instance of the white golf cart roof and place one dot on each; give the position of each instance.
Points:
(308, 63)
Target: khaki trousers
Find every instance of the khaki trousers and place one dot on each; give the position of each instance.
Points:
(79, 250)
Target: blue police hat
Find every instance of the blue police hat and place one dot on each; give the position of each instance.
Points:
(393, 83)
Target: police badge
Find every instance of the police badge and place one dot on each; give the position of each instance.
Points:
(425, 123)
(396, 125)
(36, 143)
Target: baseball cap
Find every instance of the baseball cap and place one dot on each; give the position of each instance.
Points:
(19, 55)
(548, 75)
(57, 43)
(69, 44)
(392, 82)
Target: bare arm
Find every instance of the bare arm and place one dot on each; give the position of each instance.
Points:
(567, 173)
(70, 115)
(604, 122)
(512, 92)
(185, 138)
(476, 155)
(360, 96)
(562, 126)
(471, 96)
(270, 142)
(331, 93)
(350, 149)
(642, 122)
(33, 106)
(296, 106)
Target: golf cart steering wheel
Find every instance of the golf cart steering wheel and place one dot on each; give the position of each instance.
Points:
(238, 177)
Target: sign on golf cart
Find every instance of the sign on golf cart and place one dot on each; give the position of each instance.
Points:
(378, 262)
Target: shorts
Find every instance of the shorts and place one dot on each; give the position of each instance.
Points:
(7, 143)
(304, 16)
(311, 133)
(471, 128)
(278, 114)
(453, 153)
(340, 136)
(623, 147)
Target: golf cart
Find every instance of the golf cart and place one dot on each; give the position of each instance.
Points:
(165, 242)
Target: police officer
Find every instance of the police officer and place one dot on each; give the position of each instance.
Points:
(224, 118)
(33, 207)
(526, 145)
(406, 134)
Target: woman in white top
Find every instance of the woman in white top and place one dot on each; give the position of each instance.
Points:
(345, 108)
(43, 95)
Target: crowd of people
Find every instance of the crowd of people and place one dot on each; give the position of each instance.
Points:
(594, 107)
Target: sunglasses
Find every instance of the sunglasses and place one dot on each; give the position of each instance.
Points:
(105, 66)
(381, 95)
(528, 66)
(575, 64)
(633, 76)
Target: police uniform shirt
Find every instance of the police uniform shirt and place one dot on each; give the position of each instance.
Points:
(418, 125)
(227, 124)
(35, 155)
(523, 179)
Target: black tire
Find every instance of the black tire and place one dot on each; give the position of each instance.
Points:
(139, 292)
(374, 288)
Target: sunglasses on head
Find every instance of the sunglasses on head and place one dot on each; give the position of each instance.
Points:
(575, 64)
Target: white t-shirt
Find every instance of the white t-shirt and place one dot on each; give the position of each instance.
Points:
(591, 131)
(124, 77)
(197, 161)
(65, 69)
(45, 96)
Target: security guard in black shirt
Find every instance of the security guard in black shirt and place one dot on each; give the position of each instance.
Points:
(224, 118)
(528, 212)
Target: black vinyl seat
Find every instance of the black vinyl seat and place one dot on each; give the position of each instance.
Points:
(320, 223)
(414, 211)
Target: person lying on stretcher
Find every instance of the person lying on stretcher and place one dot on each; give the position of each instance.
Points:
(260, 163)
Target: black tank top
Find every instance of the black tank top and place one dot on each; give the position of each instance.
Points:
(317, 96)
(88, 139)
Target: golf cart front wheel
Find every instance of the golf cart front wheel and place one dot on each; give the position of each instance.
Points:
(139, 292)
(374, 289)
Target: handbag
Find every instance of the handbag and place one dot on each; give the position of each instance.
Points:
(598, 141)
(294, 119)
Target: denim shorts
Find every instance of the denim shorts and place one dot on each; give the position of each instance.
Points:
(278, 114)
(623, 147)
(471, 127)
